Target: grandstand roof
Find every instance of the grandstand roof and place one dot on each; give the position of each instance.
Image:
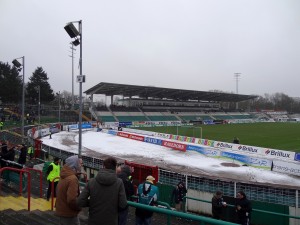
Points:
(126, 90)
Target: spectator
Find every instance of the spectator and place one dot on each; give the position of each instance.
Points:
(67, 192)
(9, 155)
(124, 173)
(178, 194)
(236, 140)
(243, 208)
(53, 171)
(104, 195)
(3, 148)
(30, 151)
(23, 154)
(217, 205)
(148, 195)
(3, 152)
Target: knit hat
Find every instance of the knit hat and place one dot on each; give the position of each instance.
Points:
(150, 179)
(73, 162)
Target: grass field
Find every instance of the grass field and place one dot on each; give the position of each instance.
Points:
(284, 136)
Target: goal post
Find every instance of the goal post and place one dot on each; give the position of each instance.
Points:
(189, 131)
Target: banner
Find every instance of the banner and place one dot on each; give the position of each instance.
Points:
(136, 137)
(122, 134)
(153, 140)
(286, 167)
(248, 160)
(174, 145)
(113, 132)
(247, 149)
(297, 157)
(219, 144)
(205, 151)
(205, 142)
(279, 154)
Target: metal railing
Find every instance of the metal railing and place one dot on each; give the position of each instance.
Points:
(201, 219)
(254, 210)
(21, 171)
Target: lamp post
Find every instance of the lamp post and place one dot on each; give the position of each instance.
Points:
(59, 106)
(19, 65)
(39, 104)
(72, 56)
(237, 78)
(74, 33)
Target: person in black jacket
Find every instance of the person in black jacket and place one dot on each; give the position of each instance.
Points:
(243, 208)
(124, 173)
(178, 194)
(217, 204)
(3, 153)
(23, 154)
(10, 155)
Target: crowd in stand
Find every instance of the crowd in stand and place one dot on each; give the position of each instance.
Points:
(9, 151)
(107, 194)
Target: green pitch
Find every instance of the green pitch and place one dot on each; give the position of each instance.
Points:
(284, 136)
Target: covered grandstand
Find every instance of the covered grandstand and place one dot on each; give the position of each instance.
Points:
(147, 103)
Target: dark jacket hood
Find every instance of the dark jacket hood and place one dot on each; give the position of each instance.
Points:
(106, 177)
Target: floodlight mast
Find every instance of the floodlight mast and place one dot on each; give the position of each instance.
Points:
(18, 65)
(237, 78)
(74, 33)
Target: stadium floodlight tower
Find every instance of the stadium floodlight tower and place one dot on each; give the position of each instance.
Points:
(237, 78)
(20, 67)
(74, 33)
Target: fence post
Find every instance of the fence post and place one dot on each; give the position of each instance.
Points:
(234, 194)
(186, 202)
(297, 199)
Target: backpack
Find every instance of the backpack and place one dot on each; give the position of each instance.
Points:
(45, 167)
(144, 197)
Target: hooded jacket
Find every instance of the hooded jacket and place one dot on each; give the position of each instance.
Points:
(67, 192)
(104, 195)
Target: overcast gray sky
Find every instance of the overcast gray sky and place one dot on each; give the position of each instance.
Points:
(187, 44)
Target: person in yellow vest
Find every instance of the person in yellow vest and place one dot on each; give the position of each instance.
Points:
(1, 125)
(30, 151)
(53, 171)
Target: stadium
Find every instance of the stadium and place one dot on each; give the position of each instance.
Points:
(146, 115)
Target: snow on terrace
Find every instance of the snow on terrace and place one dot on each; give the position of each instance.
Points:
(183, 162)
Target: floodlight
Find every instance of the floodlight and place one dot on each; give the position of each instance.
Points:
(76, 42)
(16, 63)
(71, 30)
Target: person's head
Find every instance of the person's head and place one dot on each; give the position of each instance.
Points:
(119, 170)
(56, 160)
(219, 194)
(74, 163)
(150, 179)
(126, 169)
(110, 163)
(241, 195)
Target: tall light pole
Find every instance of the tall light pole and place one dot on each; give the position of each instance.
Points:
(74, 33)
(237, 78)
(19, 65)
(39, 87)
(59, 106)
(72, 56)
